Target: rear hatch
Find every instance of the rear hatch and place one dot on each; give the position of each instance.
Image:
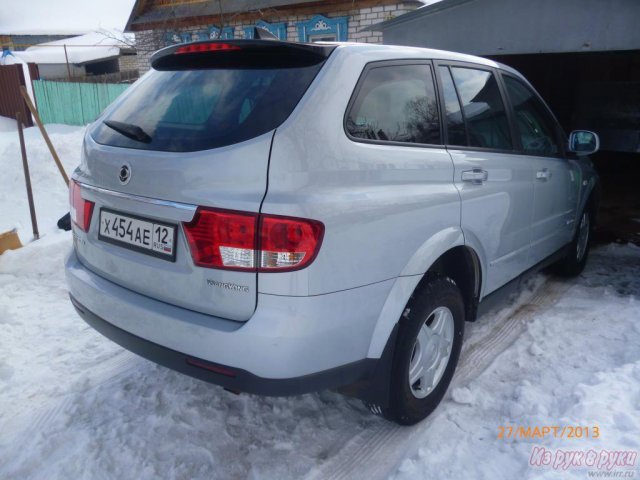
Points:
(192, 135)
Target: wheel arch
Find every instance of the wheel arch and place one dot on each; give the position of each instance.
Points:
(459, 262)
(462, 265)
(591, 199)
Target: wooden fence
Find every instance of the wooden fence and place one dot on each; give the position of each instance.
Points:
(74, 103)
(11, 101)
(125, 76)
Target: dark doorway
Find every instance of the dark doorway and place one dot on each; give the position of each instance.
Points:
(600, 92)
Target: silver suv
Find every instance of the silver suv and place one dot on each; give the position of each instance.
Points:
(280, 218)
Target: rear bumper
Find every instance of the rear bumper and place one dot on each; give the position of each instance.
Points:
(291, 345)
(223, 375)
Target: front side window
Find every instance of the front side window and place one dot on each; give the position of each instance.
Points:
(396, 104)
(483, 108)
(534, 124)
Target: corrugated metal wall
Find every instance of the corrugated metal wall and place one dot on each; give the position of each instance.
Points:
(74, 103)
(11, 101)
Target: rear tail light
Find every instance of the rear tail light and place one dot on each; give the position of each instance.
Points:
(81, 209)
(288, 243)
(206, 47)
(222, 239)
(250, 242)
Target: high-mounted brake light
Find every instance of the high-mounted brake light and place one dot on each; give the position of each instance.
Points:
(249, 242)
(206, 47)
(81, 209)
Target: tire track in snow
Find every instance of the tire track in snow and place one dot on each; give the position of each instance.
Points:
(24, 427)
(376, 453)
(509, 325)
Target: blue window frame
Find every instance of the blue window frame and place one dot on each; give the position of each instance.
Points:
(277, 29)
(320, 26)
(226, 33)
(173, 37)
(212, 33)
(181, 37)
(196, 36)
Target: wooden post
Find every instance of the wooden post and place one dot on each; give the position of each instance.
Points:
(47, 140)
(33, 72)
(66, 57)
(27, 178)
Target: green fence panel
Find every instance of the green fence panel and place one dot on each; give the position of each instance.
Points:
(74, 103)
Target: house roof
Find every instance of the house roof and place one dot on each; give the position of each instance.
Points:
(39, 32)
(203, 8)
(517, 27)
(419, 12)
(142, 13)
(92, 47)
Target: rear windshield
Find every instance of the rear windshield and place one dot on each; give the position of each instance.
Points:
(189, 110)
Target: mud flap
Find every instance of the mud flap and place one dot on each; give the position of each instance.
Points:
(374, 390)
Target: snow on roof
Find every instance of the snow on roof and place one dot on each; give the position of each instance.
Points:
(82, 49)
(62, 16)
(42, 31)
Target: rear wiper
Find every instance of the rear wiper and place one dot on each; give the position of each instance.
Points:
(130, 130)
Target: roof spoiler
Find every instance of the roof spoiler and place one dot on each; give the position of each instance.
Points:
(257, 53)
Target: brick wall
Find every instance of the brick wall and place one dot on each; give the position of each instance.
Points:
(148, 41)
(127, 63)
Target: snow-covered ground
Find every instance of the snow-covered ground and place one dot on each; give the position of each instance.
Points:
(51, 196)
(75, 405)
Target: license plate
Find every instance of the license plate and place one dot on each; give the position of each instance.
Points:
(136, 233)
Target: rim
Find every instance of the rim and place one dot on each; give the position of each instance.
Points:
(583, 236)
(431, 352)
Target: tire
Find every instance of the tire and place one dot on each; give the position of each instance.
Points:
(575, 260)
(439, 307)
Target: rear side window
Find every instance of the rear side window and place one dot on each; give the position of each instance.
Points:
(189, 110)
(535, 125)
(396, 103)
(483, 108)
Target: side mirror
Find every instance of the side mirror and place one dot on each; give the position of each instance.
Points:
(583, 142)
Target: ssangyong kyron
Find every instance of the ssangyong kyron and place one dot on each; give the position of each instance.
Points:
(280, 218)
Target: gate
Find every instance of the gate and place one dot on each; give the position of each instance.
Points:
(11, 101)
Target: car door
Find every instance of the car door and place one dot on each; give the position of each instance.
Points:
(556, 181)
(494, 182)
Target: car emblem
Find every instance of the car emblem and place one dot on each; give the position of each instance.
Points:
(125, 174)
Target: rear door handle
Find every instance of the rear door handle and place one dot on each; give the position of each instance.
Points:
(476, 176)
(543, 175)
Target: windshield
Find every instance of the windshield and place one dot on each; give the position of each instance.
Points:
(189, 110)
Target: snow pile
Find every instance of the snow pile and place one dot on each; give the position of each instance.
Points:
(7, 125)
(50, 194)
